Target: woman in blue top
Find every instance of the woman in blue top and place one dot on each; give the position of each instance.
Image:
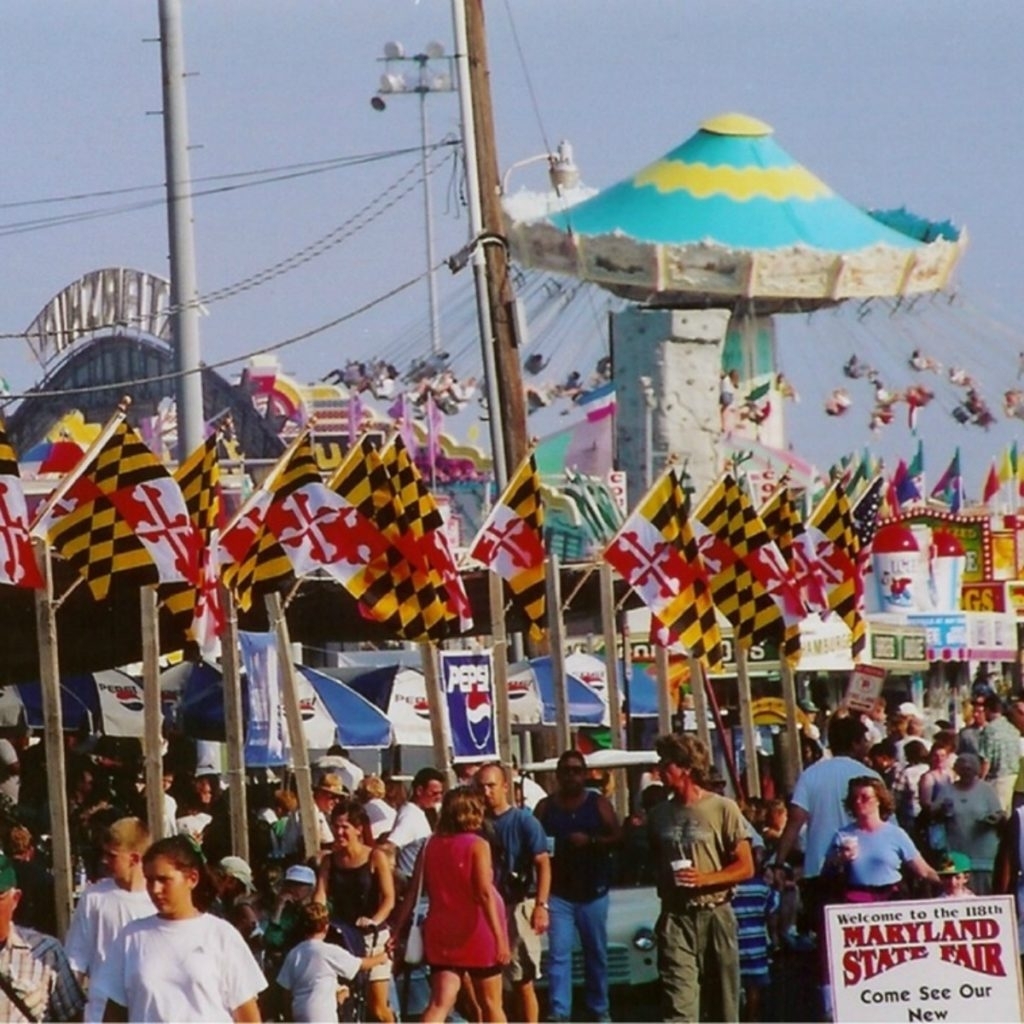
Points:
(872, 851)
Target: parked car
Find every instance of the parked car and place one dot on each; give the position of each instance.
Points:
(633, 905)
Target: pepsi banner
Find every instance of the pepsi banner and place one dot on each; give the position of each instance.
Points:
(468, 683)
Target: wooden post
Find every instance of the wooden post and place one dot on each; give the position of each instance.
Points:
(152, 711)
(611, 655)
(234, 727)
(793, 764)
(751, 769)
(700, 701)
(308, 811)
(438, 711)
(556, 643)
(499, 280)
(627, 674)
(53, 738)
(620, 794)
(499, 646)
(664, 703)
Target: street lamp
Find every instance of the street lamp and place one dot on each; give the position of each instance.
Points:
(562, 170)
(434, 74)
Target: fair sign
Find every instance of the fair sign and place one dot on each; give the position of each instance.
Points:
(925, 960)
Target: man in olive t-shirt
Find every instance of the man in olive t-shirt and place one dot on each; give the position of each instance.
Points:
(701, 849)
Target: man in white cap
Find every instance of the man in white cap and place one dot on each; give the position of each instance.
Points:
(233, 879)
(915, 728)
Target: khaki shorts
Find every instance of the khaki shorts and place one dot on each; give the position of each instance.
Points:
(524, 943)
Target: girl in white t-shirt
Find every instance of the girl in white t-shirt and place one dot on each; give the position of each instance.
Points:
(183, 964)
(311, 970)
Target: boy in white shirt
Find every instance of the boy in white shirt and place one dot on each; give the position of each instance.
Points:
(108, 905)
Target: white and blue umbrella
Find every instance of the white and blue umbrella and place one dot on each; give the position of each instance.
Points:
(331, 711)
(108, 702)
(531, 692)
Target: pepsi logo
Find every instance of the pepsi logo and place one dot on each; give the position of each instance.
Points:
(127, 696)
(422, 708)
(479, 717)
(307, 708)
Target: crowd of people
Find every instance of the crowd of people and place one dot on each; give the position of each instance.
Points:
(451, 886)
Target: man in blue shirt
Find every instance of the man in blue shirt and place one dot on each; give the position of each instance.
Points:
(524, 871)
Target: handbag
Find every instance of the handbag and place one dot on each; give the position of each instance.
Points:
(414, 949)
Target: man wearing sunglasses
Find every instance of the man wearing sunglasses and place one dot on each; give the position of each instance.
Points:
(582, 828)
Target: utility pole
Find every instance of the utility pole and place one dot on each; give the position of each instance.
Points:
(509, 376)
(184, 290)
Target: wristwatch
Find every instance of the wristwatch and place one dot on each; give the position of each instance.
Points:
(541, 906)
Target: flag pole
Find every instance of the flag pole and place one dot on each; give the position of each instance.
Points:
(499, 644)
(556, 644)
(234, 726)
(438, 709)
(793, 764)
(700, 700)
(53, 739)
(152, 717)
(308, 812)
(751, 767)
(661, 662)
(611, 656)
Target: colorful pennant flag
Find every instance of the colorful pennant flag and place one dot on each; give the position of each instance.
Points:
(511, 542)
(992, 485)
(656, 553)
(950, 488)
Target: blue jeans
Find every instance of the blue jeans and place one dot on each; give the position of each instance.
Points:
(591, 921)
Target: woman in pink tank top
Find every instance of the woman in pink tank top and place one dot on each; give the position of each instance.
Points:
(464, 932)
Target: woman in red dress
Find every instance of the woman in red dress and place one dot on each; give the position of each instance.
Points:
(464, 933)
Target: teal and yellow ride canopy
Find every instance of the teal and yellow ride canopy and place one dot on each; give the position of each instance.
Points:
(729, 217)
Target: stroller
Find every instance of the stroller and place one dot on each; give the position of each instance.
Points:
(359, 942)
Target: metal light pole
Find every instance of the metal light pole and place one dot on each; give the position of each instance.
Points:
(430, 80)
(650, 403)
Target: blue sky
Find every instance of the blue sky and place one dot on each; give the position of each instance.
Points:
(913, 104)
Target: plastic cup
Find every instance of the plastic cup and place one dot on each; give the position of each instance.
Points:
(680, 864)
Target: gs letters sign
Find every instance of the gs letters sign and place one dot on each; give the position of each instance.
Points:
(983, 597)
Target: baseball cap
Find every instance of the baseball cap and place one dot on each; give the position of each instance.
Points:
(955, 864)
(235, 867)
(301, 874)
(8, 876)
(909, 708)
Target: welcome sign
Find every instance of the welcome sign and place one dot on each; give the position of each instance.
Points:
(925, 960)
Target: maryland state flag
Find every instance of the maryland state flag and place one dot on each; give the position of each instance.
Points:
(252, 560)
(428, 529)
(511, 542)
(404, 597)
(784, 524)
(837, 547)
(17, 561)
(199, 479)
(120, 512)
(655, 552)
(750, 583)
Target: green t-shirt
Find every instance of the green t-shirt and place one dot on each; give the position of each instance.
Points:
(709, 831)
